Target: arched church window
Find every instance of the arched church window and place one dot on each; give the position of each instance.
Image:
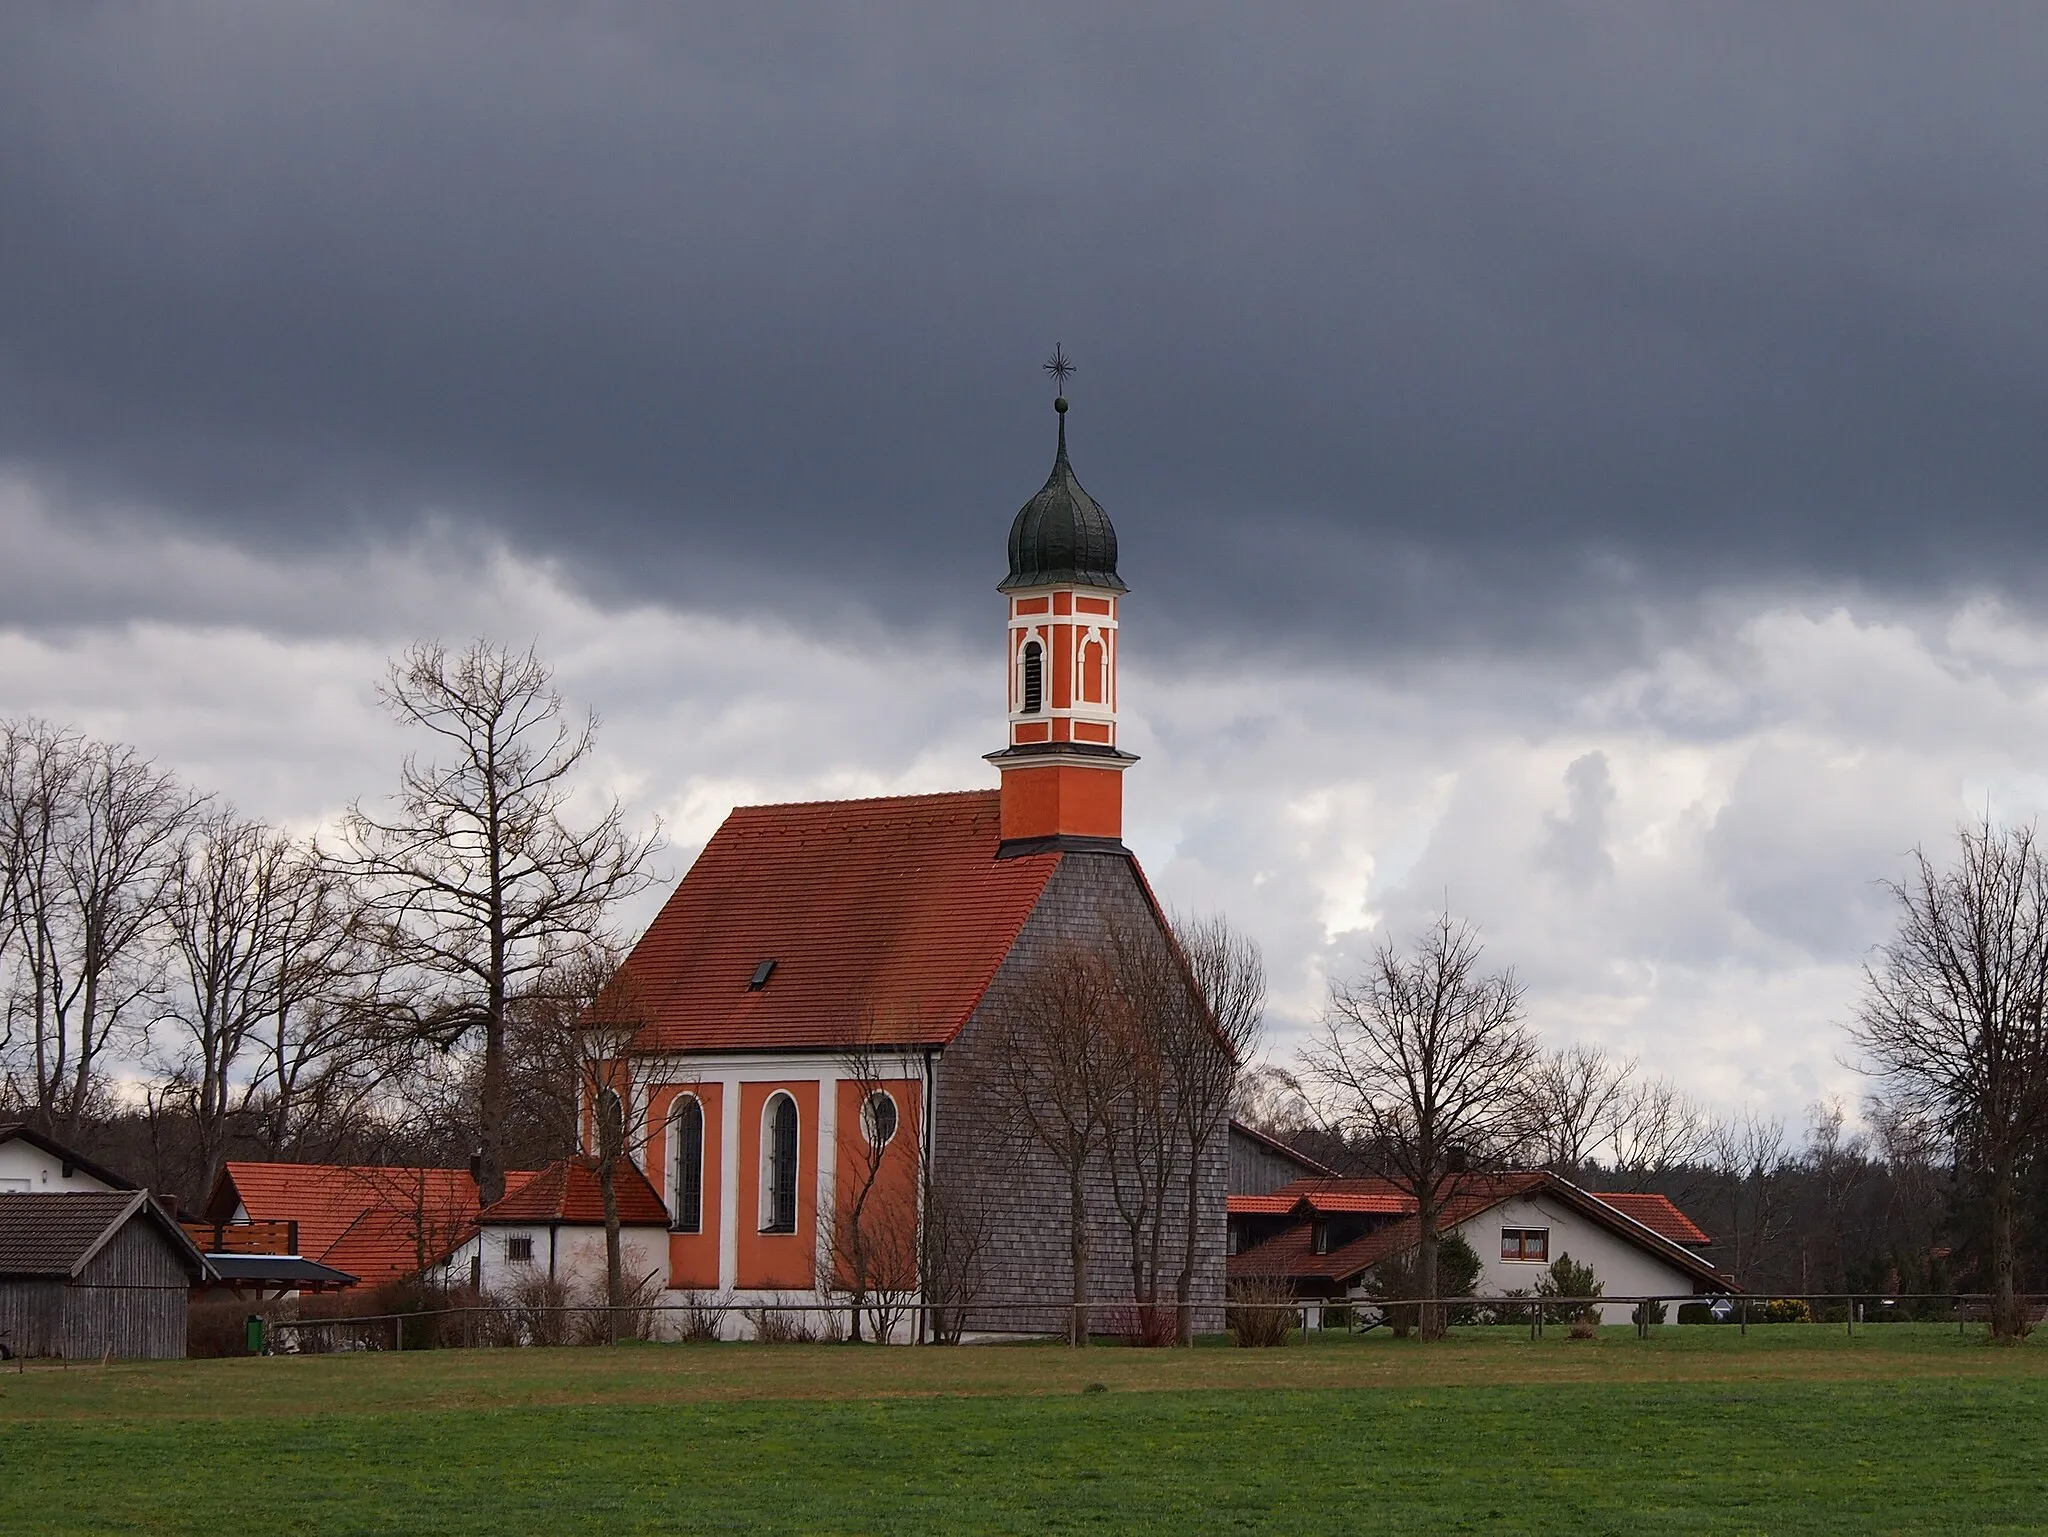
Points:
(1034, 677)
(686, 1136)
(778, 1174)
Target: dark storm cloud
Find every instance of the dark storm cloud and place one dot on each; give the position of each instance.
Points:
(1401, 322)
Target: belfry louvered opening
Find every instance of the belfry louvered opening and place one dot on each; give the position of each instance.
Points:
(1034, 677)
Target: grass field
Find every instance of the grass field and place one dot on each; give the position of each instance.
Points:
(1794, 1429)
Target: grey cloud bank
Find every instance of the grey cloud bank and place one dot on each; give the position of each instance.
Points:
(1398, 326)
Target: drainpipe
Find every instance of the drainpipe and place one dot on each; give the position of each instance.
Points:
(931, 1106)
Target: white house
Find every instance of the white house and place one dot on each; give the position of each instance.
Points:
(33, 1164)
(1326, 1236)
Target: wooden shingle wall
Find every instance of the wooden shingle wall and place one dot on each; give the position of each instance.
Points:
(1027, 1264)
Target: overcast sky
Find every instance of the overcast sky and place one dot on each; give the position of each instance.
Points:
(1580, 463)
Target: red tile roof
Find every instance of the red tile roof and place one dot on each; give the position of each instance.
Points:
(896, 905)
(1261, 1205)
(1658, 1214)
(568, 1192)
(372, 1221)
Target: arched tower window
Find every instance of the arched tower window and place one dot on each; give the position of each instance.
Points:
(686, 1137)
(778, 1165)
(1093, 679)
(1034, 677)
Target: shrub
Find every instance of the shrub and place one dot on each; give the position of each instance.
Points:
(591, 1323)
(1568, 1280)
(1696, 1313)
(1260, 1321)
(1393, 1281)
(701, 1318)
(780, 1325)
(1654, 1307)
(534, 1307)
(1584, 1329)
(1788, 1310)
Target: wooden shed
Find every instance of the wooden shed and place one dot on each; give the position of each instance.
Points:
(90, 1274)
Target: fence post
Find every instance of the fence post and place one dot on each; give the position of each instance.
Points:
(398, 1332)
(1742, 1314)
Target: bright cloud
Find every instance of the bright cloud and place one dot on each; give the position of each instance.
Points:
(1680, 854)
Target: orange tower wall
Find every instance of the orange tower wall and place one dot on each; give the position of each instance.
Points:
(1054, 799)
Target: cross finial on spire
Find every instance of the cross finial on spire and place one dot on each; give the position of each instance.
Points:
(1058, 366)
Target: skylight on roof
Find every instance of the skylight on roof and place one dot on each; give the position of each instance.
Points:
(761, 975)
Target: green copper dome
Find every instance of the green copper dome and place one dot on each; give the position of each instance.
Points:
(1062, 535)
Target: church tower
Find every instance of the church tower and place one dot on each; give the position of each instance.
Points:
(1062, 770)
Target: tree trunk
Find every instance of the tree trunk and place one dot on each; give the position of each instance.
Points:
(2006, 1320)
(1184, 1283)
(1077, 1208)
(614, 1270)
(1430, 1318)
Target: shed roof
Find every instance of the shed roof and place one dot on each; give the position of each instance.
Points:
(897, 907)
(55, 1234)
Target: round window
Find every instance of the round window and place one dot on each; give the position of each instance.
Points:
(878, 1118)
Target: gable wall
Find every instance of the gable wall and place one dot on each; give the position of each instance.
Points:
(1026, 1254)
(27, 1168)
(1256, 1169)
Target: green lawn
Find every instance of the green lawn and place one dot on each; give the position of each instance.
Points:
(1791, 1430)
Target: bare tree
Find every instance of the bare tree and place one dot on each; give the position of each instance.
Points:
(602, 1010)
(1269, 1098)
(872, 1239)
(1576, 1097)
(1656, 1132)
(482, 880)
(1056, 1080)
(226, 948)
(1952, 1021)
(1750, 1159)
(88, 839)
(1211, 1025)
(1425, 1058)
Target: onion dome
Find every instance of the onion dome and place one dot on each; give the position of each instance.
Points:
(1062, 536)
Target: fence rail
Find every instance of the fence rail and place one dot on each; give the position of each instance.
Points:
(484, 1324)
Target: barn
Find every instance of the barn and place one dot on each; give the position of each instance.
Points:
(94, 1273)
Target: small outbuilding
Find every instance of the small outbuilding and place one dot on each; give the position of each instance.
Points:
(92, 1274)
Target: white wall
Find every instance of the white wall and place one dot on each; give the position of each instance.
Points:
(1622, 1268)
(578, 1256)
(25, 1167)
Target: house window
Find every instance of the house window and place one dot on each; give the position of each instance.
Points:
(519, 1251)
(1319, 1238)
(778, 1172)
(1527, 1243)
(878, 1118)
(686, 1133)
(1034, 677)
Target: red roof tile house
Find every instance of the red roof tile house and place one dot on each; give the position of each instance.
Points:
(1325, 1236)
(551, 1224)
(371, 1222)
(898, 930)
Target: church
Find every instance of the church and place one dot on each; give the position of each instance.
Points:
(826, 1001)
